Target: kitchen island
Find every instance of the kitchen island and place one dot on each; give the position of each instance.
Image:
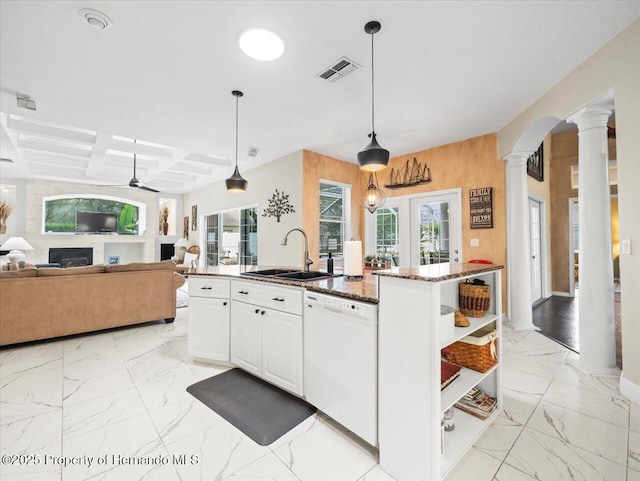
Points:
(258, 324)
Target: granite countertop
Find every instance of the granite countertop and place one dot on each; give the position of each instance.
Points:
(365, 289)
(438, 272)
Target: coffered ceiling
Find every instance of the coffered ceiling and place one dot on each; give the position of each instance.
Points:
(164, 72)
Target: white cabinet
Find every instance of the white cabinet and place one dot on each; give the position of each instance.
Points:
(266, 332)
(246, 337)
(411, 403)
(282, 349)
(209, 308)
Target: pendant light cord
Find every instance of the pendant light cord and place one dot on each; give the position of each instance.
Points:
(373, 91)
(236, 133)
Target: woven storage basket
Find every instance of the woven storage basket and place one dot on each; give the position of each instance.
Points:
(477, 351)
(474, 299)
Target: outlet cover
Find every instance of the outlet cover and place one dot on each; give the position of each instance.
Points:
(475, 242)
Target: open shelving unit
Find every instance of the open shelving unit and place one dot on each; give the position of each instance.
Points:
(411, 404)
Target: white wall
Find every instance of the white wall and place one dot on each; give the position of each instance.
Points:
(616, 66)
(284, 174)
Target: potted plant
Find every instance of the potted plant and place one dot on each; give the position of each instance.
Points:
(5, 211)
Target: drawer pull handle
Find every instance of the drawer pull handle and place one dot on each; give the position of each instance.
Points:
(262, 312)
(206, 288)
(257, 311)
(277, 299)
(243, 292)
(224, 303)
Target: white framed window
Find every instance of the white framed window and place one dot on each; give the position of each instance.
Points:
(334, 217)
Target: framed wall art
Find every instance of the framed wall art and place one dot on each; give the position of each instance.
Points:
(185, 230)
(535, 164)
(194, 217)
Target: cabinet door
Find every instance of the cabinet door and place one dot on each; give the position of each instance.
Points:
(208, 335)
(246, 335)
(282, 349)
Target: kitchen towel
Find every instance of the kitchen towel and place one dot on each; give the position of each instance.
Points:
(353, 258)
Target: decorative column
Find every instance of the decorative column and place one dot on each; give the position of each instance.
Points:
(596, 299)
(518, 242)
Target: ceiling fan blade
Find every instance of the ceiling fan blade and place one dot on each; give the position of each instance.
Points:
(144, 187)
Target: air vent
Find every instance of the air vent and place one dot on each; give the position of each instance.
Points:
(340, 69)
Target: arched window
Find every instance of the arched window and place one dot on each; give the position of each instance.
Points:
(119, 215)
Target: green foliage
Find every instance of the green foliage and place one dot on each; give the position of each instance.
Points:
(60, 226)
(127, 222)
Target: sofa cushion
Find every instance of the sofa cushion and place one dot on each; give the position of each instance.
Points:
(71, 271)
(28, 272)
(142, 266)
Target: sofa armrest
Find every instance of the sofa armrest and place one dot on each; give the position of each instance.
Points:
(178, 280)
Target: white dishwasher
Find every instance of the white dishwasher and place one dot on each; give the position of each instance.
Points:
(341, 361)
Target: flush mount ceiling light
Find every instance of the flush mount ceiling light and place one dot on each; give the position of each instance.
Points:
(236, 183)
(96, 19)
(372, 197)
(373, 157)
(261, 44)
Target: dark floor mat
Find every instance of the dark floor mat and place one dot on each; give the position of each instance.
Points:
(261, 411)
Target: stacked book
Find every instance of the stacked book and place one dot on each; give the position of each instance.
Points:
(477, 403)
(448, 373)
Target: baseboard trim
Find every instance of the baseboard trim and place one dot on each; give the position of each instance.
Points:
(629, 389)
(561, 294)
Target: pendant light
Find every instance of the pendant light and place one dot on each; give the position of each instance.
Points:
(373, 157)
(236, 183)
(372, 197)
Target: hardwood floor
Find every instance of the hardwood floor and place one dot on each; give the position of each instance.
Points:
(557, 318)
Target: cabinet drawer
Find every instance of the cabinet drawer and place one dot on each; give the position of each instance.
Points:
(286, 299)
(208, 287)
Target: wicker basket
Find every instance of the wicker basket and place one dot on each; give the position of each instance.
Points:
(477, 351)
(474, 299)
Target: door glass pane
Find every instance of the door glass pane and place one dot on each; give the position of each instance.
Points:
(212, 237)
(249, 237)
(434, 233)
(230, 237)
(387, 234)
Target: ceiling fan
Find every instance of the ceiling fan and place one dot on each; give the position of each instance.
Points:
(134, 182)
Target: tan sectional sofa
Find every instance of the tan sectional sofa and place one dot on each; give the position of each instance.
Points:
(49, 302)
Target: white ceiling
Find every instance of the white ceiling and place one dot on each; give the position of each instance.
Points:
(164, 73)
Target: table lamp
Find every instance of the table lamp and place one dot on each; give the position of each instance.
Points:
(182, 243)
(16, 245)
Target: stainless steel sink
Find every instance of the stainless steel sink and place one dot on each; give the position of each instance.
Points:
(269, 272)
(289, 274)
(305, 276)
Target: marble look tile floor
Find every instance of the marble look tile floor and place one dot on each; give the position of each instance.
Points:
(106, 403)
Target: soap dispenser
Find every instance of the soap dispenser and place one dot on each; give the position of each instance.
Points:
(330, 264)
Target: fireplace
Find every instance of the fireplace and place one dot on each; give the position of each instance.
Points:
(166, 251)
(71, 256)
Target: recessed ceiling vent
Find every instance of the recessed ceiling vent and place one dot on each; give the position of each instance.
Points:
(339, 70)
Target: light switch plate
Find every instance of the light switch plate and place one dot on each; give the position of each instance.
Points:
(475, 242)
(625, 246)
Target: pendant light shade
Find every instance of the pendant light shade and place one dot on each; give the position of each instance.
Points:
(236, 183)
(372, 197)
(373, 157)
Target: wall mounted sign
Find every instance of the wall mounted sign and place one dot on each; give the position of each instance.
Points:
(194, 217)
(278, 205)
(535, 164)
(481, 212)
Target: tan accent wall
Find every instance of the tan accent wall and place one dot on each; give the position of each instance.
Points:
(315, 167)
(564, 155)
(467, 164)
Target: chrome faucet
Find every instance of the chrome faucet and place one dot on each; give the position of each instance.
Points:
(307, 260)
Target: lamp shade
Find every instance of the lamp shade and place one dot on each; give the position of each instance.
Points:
(16, 244)
(182, 242)
(373, 157)
(236, 183)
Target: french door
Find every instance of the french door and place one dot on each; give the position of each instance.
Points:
(436, 229)
(417, 230)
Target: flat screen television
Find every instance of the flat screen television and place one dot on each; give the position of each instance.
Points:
(96, 222)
